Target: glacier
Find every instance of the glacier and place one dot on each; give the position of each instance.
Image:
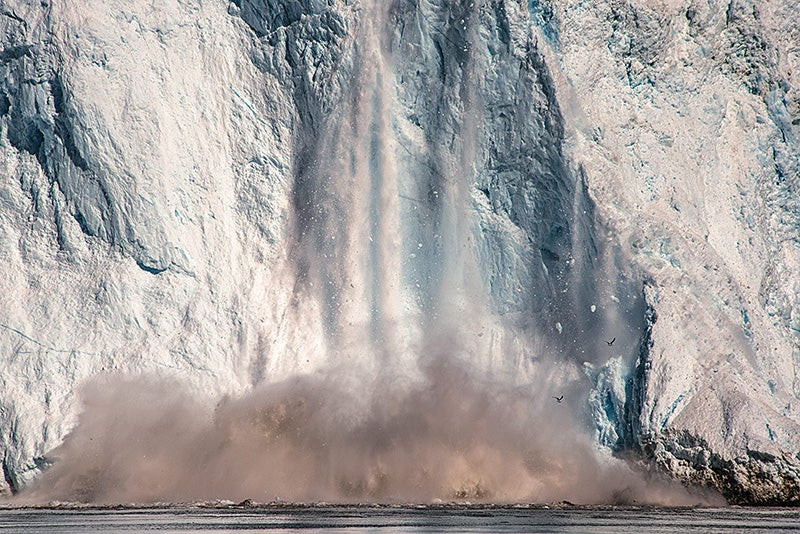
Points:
(233, 193)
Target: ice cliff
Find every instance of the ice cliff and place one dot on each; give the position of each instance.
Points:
(234, 192)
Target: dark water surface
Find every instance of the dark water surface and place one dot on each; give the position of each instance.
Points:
(332, 519)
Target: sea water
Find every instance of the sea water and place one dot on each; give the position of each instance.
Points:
(401, 519)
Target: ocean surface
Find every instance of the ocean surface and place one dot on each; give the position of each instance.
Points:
(332, 519)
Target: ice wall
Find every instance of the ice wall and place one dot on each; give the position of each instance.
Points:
(686, 123)
(233, 193)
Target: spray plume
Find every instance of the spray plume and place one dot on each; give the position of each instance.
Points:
(451, 437)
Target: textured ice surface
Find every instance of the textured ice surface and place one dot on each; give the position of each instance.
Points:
(631, 171)
(681, 121)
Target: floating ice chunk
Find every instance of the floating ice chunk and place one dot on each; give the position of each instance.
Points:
(615, 298)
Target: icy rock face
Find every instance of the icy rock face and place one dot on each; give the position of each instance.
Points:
(132, 157)
(686, 119)
(629, 168)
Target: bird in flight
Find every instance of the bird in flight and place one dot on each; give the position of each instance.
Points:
(559, 399)
(609, 343)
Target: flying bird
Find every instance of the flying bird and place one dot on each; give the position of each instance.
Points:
(559, 399)
(609, 343)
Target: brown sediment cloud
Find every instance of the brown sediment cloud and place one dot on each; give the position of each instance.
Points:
(452, 436)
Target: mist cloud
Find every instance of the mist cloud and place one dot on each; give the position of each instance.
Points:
(453, 436)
